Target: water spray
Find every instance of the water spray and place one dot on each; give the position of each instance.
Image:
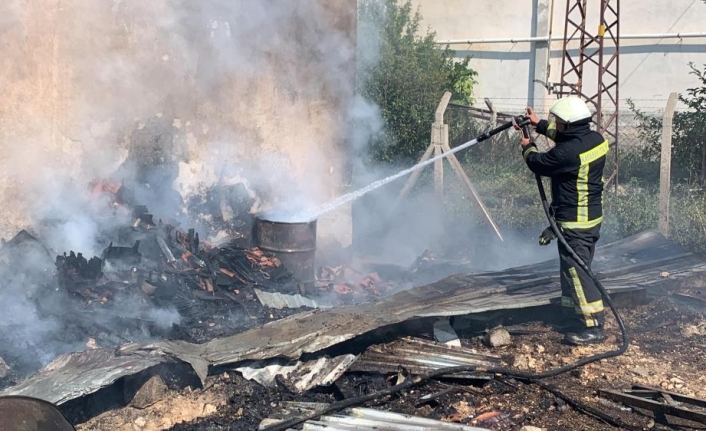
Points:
(344, 199)
(522, 124)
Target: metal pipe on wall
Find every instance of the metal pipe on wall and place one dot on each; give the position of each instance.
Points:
(645, 36)
(542, 15)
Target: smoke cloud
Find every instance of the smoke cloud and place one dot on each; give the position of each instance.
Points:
(142, 92)
(168, 98)
(398, 230)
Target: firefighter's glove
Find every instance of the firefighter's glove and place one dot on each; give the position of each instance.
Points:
(547, 236)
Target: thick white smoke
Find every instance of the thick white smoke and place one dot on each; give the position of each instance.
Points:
(113, 89)
(168, 97)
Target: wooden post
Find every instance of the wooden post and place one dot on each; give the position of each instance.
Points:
(438, 131)
(437, 136)
(441, 109)
(493, 123)
(493, 114)
(439, 163)
(665, 165)
(439, 146)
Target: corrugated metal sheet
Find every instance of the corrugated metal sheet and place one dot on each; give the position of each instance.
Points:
(420, 356)
(300, 376)
(364, 419)
(279, 300)
(636, 261)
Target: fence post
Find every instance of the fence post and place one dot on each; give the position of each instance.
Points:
(438, 133)
(665, 165)
(493, 114)
(493, 123)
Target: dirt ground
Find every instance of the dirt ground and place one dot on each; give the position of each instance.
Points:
(667, 351)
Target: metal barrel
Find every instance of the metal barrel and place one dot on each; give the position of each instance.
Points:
(19, 413)
(294, 244)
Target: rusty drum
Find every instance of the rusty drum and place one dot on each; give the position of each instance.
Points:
(293, 243)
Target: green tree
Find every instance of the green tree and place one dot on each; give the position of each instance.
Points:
(689, 129)
(405, 73)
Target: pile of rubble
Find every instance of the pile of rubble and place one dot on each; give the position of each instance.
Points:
(166, 265)
(396, 360)
(167, 285)
(384, 386)
(154, 280)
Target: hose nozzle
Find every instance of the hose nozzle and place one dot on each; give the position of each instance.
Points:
(522, 123)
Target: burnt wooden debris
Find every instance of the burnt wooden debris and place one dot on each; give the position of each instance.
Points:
(154, 280)
(171, 266)
(660, 402)
(163, 266)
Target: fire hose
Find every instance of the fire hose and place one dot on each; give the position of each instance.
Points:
(522, 124)
(604, 293)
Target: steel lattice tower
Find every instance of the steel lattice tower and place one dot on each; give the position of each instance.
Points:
(587, 54)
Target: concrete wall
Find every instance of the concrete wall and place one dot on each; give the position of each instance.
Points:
(649, 69)
(79, 77)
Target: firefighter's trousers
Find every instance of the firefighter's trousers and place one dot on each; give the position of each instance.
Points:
(578, 290)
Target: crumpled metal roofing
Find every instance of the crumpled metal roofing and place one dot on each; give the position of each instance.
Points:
(74, 375)
(300, 376)
(636, 261)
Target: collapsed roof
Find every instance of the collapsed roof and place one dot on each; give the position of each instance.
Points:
(644, 261)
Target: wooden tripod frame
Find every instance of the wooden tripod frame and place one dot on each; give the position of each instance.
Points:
(440, 145)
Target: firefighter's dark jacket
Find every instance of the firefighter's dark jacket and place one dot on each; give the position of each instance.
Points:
(575, 166)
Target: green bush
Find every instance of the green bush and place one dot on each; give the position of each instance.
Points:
(689, 129)
(688, 219)
(406, 78)
(632, 211)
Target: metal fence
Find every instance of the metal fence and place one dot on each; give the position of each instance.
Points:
(465, 123)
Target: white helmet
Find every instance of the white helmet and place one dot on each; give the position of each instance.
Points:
(570, 110)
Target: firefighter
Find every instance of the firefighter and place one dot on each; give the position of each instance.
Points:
(575, 165)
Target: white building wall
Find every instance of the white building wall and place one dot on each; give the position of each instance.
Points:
(649, 68)
(78, 75)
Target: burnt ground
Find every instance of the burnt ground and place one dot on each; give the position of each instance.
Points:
(667, 352)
